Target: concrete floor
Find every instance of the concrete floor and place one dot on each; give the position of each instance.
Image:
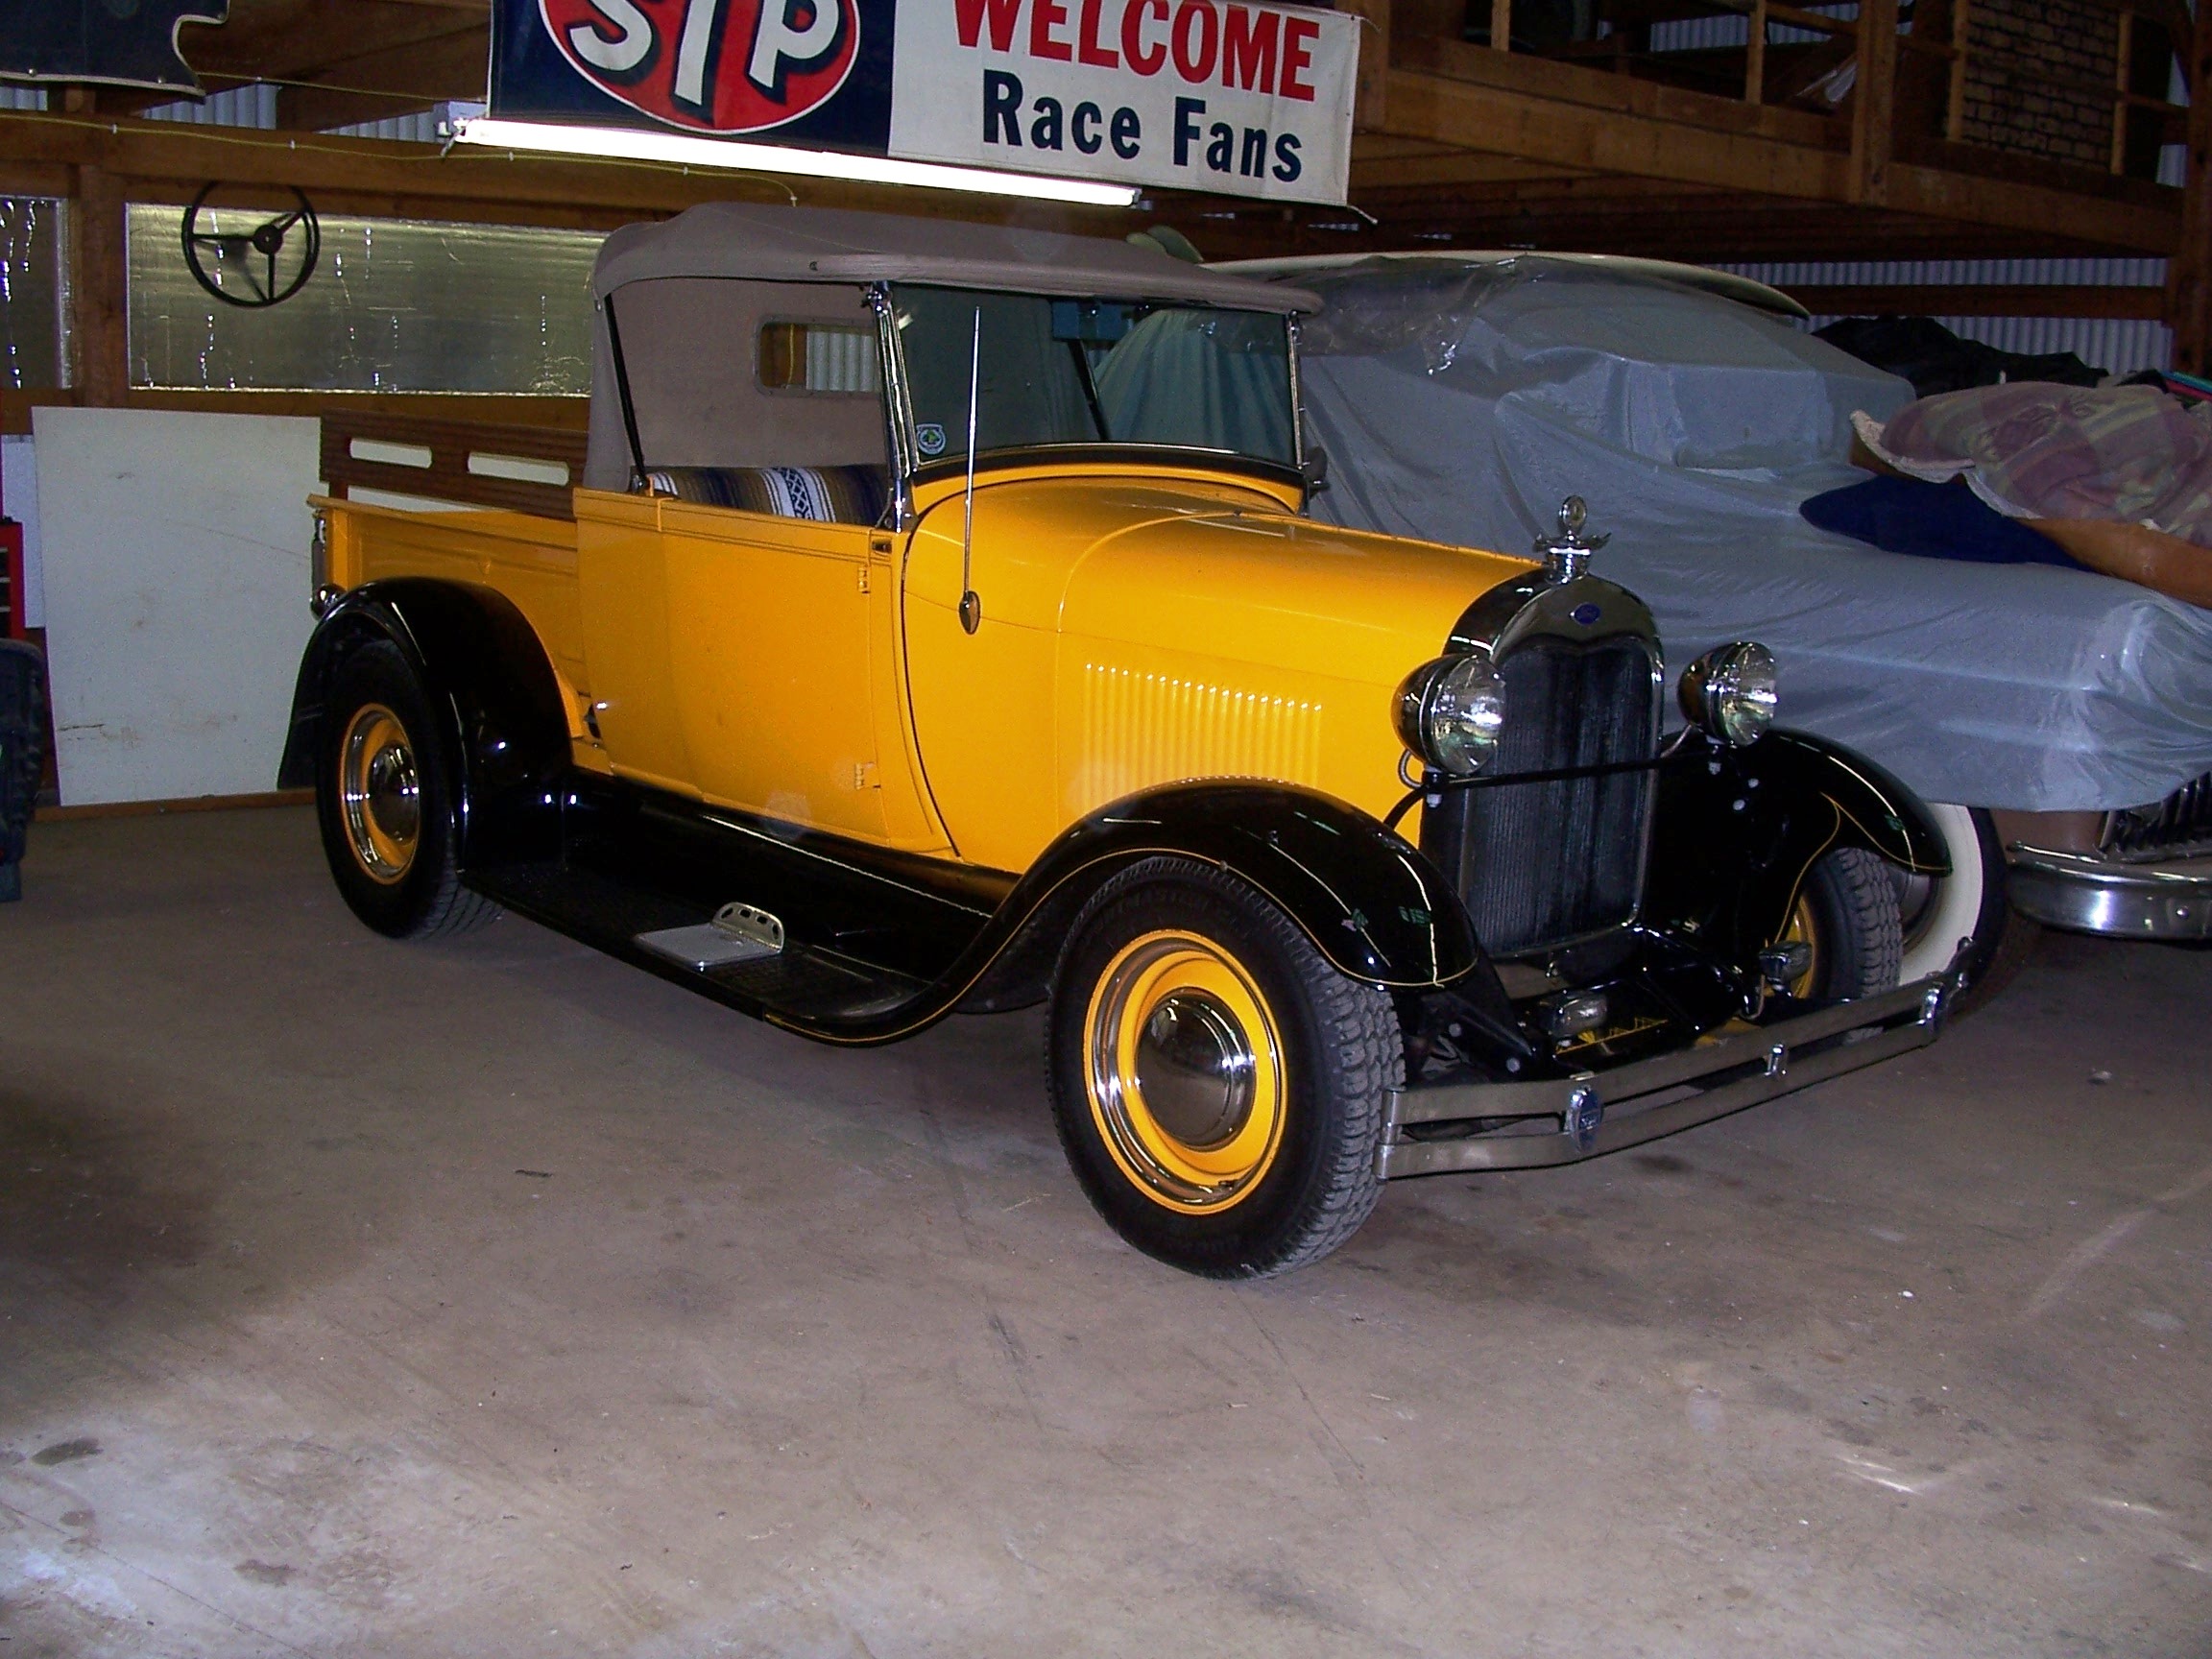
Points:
(493, 1298)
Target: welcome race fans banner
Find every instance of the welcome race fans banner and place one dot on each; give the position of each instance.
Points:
(1233, 97)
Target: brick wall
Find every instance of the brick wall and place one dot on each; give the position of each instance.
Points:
(2015, 49)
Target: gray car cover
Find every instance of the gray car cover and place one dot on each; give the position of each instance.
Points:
(1461, 402)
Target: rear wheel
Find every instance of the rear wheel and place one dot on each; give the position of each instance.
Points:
(1218, 1087)
(387, 813)
(1847, 921)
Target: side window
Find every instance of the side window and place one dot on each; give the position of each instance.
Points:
(820, 357)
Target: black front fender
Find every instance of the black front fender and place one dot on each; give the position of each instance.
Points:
(1737, 829)
(480, 662)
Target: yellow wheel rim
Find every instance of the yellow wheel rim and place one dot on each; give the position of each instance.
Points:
(1184, 1067)
(1805, 930)
(379, 794)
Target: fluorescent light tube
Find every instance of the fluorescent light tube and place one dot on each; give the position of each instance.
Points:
(631, 144)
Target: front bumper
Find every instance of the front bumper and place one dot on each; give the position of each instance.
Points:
(2089, 894)
(1565, 1119)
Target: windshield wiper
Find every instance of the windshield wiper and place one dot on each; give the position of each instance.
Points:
(1090, 388)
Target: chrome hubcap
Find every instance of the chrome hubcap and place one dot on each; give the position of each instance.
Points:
(380, 794)
(1194, 1070)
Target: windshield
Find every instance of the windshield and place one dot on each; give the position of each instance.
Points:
(1095, 372)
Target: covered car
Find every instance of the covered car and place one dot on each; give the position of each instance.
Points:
(1460, 396)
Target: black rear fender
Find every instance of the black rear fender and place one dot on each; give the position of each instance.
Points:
(484, 669)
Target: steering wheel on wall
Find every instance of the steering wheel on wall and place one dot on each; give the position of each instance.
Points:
(257, 255)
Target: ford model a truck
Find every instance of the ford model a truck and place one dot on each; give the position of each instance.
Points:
(937, 628)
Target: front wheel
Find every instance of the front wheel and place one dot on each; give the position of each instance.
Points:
(1218, 1087)
(1963, 920)
(1847, 925)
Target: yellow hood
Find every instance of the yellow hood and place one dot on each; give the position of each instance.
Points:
(1203, 565)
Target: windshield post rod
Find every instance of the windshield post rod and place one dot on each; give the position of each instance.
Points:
(971, 607)
(622, 392)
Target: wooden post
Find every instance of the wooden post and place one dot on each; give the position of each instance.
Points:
(1955, 110)
(1874, 101)
(99, 322)
(1368, 104)
(1755, 56)
(2120, 81)
(2189, 273)
(1502, 25)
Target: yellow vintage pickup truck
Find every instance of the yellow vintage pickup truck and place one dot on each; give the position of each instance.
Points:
(936, 626)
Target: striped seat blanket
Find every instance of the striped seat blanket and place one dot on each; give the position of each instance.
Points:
(826, 494)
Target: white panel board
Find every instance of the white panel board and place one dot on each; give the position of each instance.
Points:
(176, 593)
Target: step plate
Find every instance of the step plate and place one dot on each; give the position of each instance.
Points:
(705, 945)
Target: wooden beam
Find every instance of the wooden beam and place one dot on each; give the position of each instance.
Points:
(1443, 167)
(1954, 88)
(1755, 54)
(1497, 121)
(1531, 77)
(567, 413)
(2011, 300)
(1373, 86)
(99, 313)
(397, 81)
(2189, 276)
(298, 43)
(1874, 101)
(2120, 221)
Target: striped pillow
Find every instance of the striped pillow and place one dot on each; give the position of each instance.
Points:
(824, 495)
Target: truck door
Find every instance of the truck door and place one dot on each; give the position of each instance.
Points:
(768, 664)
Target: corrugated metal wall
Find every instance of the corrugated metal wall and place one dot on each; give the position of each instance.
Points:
(1714, 34)
(2119, 346)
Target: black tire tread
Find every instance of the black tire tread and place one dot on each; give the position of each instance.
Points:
(1863, 885)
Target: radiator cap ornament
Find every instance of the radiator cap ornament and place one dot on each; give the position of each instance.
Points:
(1566, 556)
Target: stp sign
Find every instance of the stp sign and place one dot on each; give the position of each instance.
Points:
(711, 65)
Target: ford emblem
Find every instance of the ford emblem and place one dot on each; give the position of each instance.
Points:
(1587, 613)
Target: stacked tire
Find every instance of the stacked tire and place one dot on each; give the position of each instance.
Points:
(22, 698)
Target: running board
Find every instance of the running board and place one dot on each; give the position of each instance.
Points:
(792, 983)
(1566, 1119)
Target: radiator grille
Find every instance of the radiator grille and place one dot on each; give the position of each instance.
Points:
(1539, 864)
(1141, 730)
(2182, 824)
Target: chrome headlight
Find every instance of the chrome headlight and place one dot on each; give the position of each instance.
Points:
(1730, 691)
(1449, 712)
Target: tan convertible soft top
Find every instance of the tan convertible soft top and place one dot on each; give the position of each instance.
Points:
(700, 285)
(747, 241)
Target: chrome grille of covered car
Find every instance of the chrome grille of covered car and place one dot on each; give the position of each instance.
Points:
(1543, 863)
(2178, 826)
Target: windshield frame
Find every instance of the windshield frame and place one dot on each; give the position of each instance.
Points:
(913, 468)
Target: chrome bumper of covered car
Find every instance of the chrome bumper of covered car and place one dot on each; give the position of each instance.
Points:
(2085, 894)
(1564, 1120)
